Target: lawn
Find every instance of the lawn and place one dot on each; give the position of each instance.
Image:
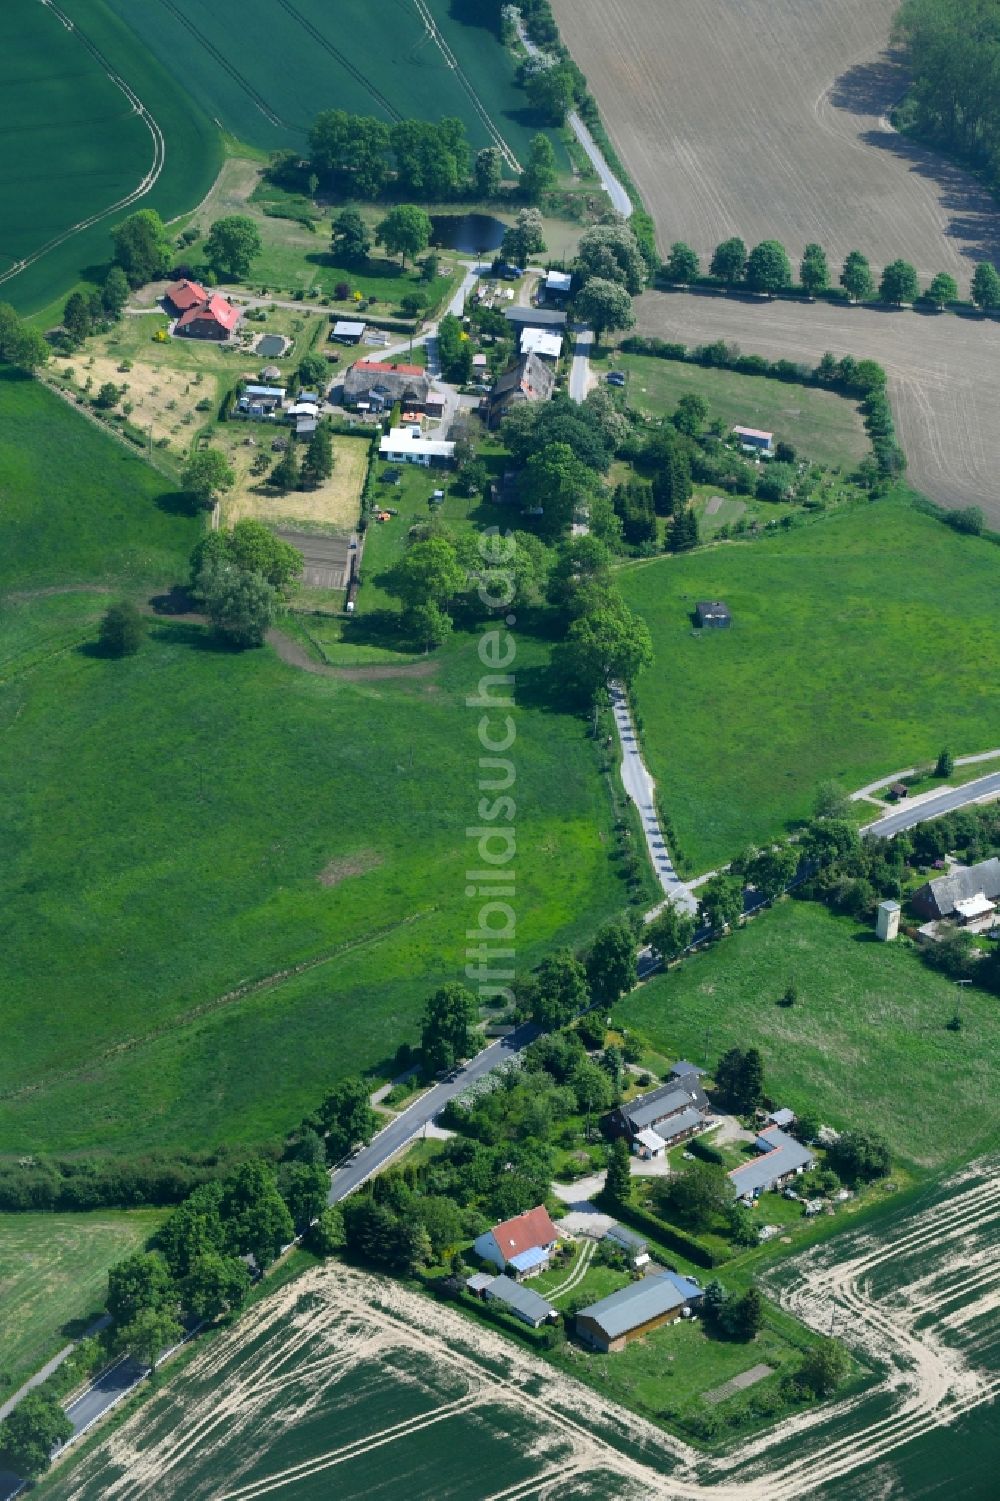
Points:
(266, 72)
(865, 1045)
(77, 506)
(259, 822)
(88, 148)
(824, 427)
(53, 1273)
(335, 505)
(849, 656)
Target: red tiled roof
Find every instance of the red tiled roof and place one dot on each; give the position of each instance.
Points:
(396, 369)
(215, 310)
(534, 1228)
(187, 294)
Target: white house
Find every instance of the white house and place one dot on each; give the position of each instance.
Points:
(543, 342)
(405, 446)
(523, 1245)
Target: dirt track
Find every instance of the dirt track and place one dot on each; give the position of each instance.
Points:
(765, 118)
(944, 374)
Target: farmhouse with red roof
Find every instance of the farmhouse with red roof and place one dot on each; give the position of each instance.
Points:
(184, 295)
(521, 1246)
(215, 318)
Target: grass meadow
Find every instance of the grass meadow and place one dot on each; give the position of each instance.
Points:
(859, 644)
(53, 1272)
(88, 149)
(77, 506)
(823, 426)
(865, 1045)
(229, 880)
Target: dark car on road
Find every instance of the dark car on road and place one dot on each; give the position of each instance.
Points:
(615, 378)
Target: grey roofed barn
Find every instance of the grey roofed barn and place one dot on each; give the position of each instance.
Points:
(676, 1125)
(682, 1067)
(528, 1305)
(640, 1302)
(668, 1100)
(780, 1156)
(939, 898)
(535, 317)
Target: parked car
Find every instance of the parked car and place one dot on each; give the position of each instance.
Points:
(505, 271)
(615, 378)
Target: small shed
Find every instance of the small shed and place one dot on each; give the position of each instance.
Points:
(713, 614)
(557, 284)
(633, 1245)
(528, 1306)
(647, 1145)
(347, 331)
(754, 439)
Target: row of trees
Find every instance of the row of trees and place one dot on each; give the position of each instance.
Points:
(767, 268)
(143, 251)
(361, 156)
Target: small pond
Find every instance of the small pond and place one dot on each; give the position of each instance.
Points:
(270, 345)
(467, 233)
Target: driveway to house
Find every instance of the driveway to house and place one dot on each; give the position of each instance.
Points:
(409, 1124)
(932, 807)
(579, 373)
(639, 786)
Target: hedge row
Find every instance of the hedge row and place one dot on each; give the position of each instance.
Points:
(664, 1235)
(58, 1183)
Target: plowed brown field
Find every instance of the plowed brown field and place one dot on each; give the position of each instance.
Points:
(766, 118)
(944, 374)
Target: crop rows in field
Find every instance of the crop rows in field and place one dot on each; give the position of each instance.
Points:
(944, 374)
(345, 1380)
(767, 119)
(265, 70)
(75, 142)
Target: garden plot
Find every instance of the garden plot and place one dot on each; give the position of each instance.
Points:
(767, 119)
(334, 505)
(944, 374)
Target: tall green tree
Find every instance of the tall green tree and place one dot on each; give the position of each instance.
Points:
(683, 532)
(206, 475)
(254, 1214)
(682, 266)
(193, 1230)
(447, 1030)
(670, 932)
(141, 247)
(233, 244)
(115, 292)
(405, 231)
(351, 241)
(30, 1433)
(729, 261)
(899, 283)
(611, 963)
(745, 1316)
(20, 344)
(986, 286)
(539, 174)
(524, 238)
(611, 252)
(814, 271)
(347, 1117)
(148, 1334)
(215, 1285)
(352, 151)
(604, 305)
(824, 1368)
(240, 605)
(138, 1282)
(488, 172)
(76, 317)
(943, 289)
(558, 990)
(317, 463)
(768, 267)
(557, 482)
(618, 1182)
(608, 643)
(693, 1198)
(304, 1187)
(121, 630)
(856, 277)
(550, 91)
(720, 902)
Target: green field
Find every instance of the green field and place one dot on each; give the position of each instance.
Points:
(78, 507)
(231, 880)
(859, 644)
(824, 427)
(265, 71)
(53, 1276)
(866, 1044)
(73, 146)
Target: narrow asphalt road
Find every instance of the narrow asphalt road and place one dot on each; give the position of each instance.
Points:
(639, 785)
(609, 182)
(579, 373)
(933, 807)
(409, 1124)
